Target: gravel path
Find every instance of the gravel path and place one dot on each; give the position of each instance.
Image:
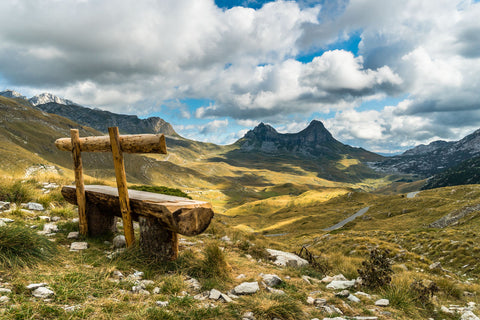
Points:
(351, 218)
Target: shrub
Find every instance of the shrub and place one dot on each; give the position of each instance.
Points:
(21, 246)
(213, 269)
(376, 271)
(17, 192)
(424, 291)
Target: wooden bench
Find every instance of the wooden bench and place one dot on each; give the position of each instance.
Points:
(161, 217)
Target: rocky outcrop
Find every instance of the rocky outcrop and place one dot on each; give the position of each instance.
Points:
(313, 141)
(102, 120)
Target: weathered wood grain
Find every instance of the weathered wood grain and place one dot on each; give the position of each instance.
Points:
(139, 143)
(78, 169)
(121, 178)
(180, 215)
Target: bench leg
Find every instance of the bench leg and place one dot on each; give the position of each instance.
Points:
(157, 241)
(100, 222)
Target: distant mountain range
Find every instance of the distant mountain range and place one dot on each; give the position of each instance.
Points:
(427, 160)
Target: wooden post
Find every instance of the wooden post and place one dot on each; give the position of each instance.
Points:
(122, 185)
(78, 168)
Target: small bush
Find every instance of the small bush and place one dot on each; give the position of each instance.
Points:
(173, 284)
(376, 271)
(17, 192)
(21, 246)
(424, 291)
(256, 251)
(212, 268)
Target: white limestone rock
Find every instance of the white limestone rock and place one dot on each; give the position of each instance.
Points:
(382, 303)
(246, 288)
(42, 293)
(340, 284)
(78, 246)
(285, 259)
(271, 280)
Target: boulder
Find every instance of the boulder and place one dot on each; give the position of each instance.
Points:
(287, 259)
(246, 288)
(34, 206)
(271, 280)
(119, 242)
(340, 284)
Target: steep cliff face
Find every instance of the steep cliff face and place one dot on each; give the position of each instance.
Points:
(427, 160)
(313, 141)
(101, 120)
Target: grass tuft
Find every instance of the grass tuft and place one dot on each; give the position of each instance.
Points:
(21, 247)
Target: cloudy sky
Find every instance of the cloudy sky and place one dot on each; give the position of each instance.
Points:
(381, 74)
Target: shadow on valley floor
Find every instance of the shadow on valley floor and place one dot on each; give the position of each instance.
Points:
(326, 167)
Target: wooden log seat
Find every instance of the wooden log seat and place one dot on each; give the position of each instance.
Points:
(161, 217)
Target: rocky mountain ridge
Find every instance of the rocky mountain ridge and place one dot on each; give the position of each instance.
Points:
(427, 160)
(313, 141)
(101, 120)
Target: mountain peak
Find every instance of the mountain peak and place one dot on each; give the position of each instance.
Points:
(315, 140)
(12, 94)
(44, 98)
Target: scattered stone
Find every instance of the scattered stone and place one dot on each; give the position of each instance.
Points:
(71, 308)
(73, 235)
(4, 299)
(119, 242)
(469, 315)
(310, 300)
(2, 224)
(42, 293)
(75, 220)
(225, 238)
(248, 316)
(156, 290)
(137, 275)
(4, 205)
(193, 284)
(46, 218)
(446, 310)
(342, 294)
(34, 206)
(340, 284)
(162, 304)
(382, 303)
(7, 220)
(435, 266)
(271, 280)
(77, 246)
(246, 288)
(353, 298)
(5, 290)
(275, 291)
(214, 294)
(287, 259)
(50, 228)
(363, 294)
(34, 286)
(365, 318)
(240, 276)
(201, 296)
(309, 280)
(55, 219)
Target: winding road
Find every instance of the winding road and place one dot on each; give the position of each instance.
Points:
(359, 213)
